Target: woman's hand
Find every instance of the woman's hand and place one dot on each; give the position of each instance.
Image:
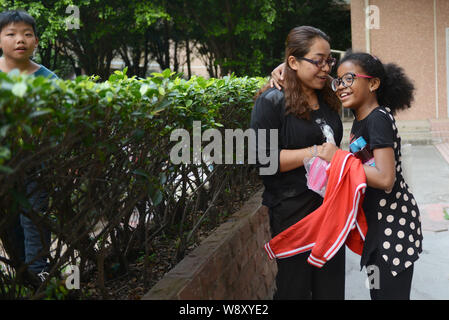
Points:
(327, 151)
(290, 159)
(277, 76)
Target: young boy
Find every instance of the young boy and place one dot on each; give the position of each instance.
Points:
(18, 40)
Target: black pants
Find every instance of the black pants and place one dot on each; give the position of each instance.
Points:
(299, 280)
(388, 287)
(296, 278)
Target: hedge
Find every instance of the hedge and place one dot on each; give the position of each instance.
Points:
(101, 151)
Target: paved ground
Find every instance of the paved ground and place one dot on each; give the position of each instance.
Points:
(427, 173)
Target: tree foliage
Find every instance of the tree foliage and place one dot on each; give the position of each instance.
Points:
(248, 37)
(244, 37)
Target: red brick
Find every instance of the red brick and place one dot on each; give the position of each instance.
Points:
(166, 289)
(229, 264)
(192, 291)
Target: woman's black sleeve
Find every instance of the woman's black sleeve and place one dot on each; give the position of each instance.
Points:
(267, 115)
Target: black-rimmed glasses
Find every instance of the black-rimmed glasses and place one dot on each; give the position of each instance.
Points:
(322, 62)
(347, 80)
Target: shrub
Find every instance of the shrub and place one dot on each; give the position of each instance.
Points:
(101, 151)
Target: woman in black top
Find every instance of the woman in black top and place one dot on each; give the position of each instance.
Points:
(394, 240)
(305, 98)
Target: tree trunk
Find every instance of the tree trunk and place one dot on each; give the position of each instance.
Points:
(189, 69)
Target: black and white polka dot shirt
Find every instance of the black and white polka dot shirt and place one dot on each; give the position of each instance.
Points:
(394, 223)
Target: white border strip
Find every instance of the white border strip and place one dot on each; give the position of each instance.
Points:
(352, 218)
(295, 251)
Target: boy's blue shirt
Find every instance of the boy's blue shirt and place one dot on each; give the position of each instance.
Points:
(42, 71)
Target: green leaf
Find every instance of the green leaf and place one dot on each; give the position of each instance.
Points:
(39, 81)
(201, 82)
(143, 89)
(162, 178)
(166, 73)
(6, 169)
(163, 105)
(157, 198)
(4, 130)
(138, 134)
(109, 96)
(40, 112)
(19, 89)
(5, 153)
(28, 129)
(141, 173)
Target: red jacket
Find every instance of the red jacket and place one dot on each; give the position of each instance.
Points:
(340, 219)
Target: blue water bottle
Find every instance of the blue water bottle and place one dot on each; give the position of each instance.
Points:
(362, 151)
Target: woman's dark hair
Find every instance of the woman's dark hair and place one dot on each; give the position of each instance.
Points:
(298, 43)
(396, 90)
(14, 16)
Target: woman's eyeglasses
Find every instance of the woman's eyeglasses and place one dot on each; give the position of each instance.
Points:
(347, 80)
(320, 63)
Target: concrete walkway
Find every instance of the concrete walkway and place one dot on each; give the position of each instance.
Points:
(427, 173)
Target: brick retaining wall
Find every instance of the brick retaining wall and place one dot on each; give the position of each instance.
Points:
(230, 264)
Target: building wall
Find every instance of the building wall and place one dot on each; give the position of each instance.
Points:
(442, 19)
(406, 36)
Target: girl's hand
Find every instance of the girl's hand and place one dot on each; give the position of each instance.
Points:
(277, 76)
(327, 151)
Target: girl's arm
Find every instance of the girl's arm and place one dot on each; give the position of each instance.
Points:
(383, 175)
(277, 76)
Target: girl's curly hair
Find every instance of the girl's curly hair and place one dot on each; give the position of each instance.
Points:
(396, 90)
